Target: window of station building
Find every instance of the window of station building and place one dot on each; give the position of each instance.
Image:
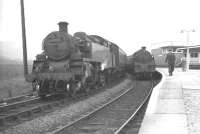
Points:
(164, 50)
(193, 55)
(167, 50)
(179, 51)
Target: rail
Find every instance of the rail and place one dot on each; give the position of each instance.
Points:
(94, 112)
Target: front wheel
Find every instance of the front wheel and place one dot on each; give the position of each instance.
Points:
(102, 80)
(74, 87)
(86, 88)
(36, 86)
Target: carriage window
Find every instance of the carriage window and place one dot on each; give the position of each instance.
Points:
(193, 55)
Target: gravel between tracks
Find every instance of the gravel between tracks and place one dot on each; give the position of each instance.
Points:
(63, 116)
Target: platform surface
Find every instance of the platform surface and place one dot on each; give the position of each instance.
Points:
(166, 111)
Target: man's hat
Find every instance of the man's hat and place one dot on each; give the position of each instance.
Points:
(143, 47)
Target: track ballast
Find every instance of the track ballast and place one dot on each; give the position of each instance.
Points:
(110, 117)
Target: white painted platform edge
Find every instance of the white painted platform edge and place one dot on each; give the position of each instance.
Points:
(154, 96)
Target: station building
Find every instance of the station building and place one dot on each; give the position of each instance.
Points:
(194, 52)
(161, 52)
(180, 52)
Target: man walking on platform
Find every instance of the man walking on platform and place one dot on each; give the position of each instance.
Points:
(170, 59)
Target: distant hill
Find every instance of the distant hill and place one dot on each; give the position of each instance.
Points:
(11, 54)
(10, 50)
(12, 68)
(6, 60)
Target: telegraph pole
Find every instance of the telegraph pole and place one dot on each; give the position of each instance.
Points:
(24, 39)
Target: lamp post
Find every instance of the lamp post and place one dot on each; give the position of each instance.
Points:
(188, 43)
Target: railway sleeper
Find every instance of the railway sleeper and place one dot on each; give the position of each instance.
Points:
(58, 104)
(88, 129)
(37, 110)
(107, 130)
(16, 105)
(27, 115)
(12, 117)
(2, 123)
(16, 117)
(12, 120)
(47, 108)
(130, 131)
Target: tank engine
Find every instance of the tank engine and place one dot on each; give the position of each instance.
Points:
(69, 64)
(142, 64)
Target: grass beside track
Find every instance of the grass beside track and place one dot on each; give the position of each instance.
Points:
(14, 87)
(12, 82)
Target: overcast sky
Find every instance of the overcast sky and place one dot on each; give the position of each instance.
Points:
(128, 23)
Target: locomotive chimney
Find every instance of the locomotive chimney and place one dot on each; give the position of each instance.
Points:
(63, 27)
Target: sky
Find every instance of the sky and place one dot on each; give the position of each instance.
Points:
(128, 23)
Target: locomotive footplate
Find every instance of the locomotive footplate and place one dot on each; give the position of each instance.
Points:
(54, 76)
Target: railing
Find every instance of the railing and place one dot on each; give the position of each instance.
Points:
(193, 61)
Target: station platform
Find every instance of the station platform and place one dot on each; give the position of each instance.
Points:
(166, 112)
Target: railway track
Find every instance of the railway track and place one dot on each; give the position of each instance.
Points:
(24, 108)
(132, 125)
(8, 107)
(8, 101)
(112, 117)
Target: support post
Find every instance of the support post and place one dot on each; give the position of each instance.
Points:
(188, 53)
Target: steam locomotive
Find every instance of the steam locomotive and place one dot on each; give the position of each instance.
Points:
(69, 64)
(142, 64)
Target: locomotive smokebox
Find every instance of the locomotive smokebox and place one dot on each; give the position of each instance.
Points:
(63, 27)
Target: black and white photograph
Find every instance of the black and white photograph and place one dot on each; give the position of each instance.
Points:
(99, 67)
